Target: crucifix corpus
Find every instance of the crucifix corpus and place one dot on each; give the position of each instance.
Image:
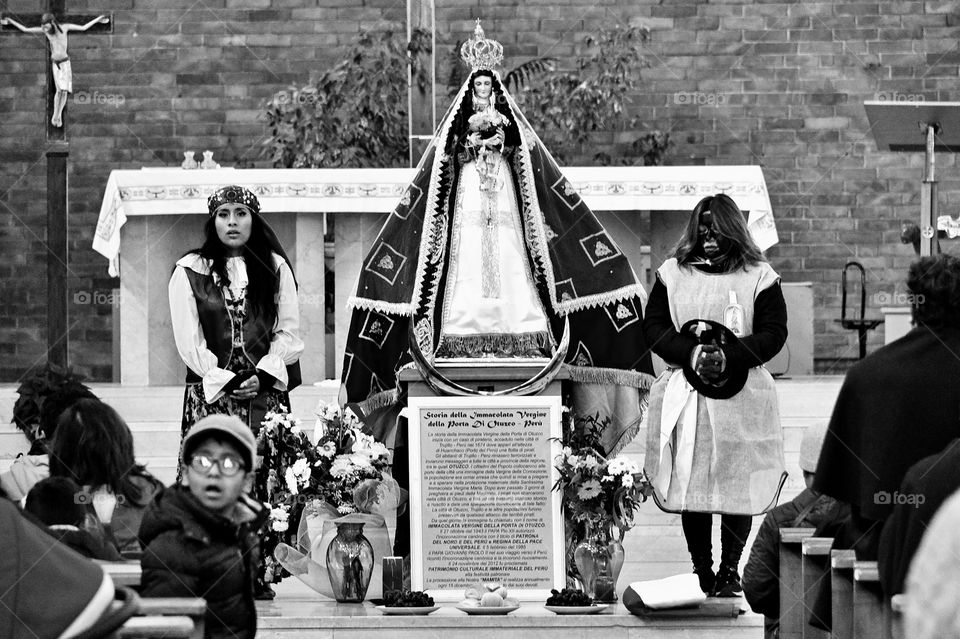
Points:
(55, 26)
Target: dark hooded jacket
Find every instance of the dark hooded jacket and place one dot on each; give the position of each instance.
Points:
(192, 552)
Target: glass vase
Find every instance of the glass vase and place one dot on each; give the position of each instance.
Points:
(599, 559)
(350, 563)
(616, 556)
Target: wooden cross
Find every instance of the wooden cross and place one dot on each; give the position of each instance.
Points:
(57, 152)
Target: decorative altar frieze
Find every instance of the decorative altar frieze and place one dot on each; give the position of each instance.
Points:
(176, 191)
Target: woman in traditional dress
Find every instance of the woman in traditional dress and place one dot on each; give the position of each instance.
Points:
(489, 252)
(236, 318)
(716, 314)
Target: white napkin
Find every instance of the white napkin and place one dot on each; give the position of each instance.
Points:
(670, 592)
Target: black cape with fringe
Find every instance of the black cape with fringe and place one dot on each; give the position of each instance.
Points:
(607, 343)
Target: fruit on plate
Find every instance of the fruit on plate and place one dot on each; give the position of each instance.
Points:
(491, 600)
(569, 597)
(487, 595)
(407, 599)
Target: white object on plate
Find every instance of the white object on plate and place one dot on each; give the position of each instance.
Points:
(670, 592)
(577, 610)
(409, 610)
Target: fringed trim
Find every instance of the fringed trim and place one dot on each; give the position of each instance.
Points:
(535, 344)
(619, 377)
(600, 299)
(379, 400)
(629, 433)
(531, 212)
(388, 308)
(433, 205)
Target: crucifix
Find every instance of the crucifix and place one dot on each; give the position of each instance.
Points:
(55, 26)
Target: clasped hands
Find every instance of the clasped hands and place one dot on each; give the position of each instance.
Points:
(475, 140)
(248, 388)
(708, 362)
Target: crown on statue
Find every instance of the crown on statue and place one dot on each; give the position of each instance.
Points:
(481, 53)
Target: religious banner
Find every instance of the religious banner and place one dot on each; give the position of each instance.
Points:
(482, 504)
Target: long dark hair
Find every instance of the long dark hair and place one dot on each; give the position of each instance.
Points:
(729, 222)
(94, 447)
(458, 128)
(263, 279)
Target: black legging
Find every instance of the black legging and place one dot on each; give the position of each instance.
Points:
(698, 531)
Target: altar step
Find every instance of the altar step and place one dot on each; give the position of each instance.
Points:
(299, 613)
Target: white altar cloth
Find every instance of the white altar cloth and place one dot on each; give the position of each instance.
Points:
(175, 191)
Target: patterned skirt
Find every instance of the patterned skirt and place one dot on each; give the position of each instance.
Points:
(250, 411)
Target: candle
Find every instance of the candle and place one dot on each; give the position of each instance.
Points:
(604, 590)
(392, 574)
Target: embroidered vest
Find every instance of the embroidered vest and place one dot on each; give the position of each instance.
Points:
(217, 330)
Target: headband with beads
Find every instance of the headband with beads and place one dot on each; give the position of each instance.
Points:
(233, 194)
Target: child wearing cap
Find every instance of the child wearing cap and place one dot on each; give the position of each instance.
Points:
(200, 537)
(761, 583)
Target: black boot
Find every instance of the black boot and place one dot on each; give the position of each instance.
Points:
(727, 583)
(703, 569)
(696, 530)
(734, 530)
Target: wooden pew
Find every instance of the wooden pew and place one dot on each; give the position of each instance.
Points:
(168, 613)
(193, 607)
(123, 573)
(174, 627)
(814, 568)
(871, 618)
(898, 605)
(793, 615)
(841, 586)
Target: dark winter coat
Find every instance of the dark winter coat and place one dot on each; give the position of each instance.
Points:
(761, 575)
(192, 552)
(927, 484)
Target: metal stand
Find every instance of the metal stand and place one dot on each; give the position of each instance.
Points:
(860, 324)
(916, 127)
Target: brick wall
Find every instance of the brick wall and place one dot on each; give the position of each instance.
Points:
(779, 84)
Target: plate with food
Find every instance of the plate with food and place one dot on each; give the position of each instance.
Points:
(407, 610)
(571, 601)
(487, 599)
(407, 602)
(577, 610)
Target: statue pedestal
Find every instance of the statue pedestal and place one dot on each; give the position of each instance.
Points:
(482, 507)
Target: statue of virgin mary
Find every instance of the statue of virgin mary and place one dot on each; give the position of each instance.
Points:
(489, 254)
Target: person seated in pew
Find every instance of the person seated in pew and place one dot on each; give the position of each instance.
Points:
(809, 509)
(200, 537)
(932, 587)
(94, 446)
(896, 406)
(55, 501)
(27, 469)
(926, 486)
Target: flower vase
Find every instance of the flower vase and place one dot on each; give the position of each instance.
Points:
(599, 558)
(350, 563)
(589, 556)
(616, 555)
